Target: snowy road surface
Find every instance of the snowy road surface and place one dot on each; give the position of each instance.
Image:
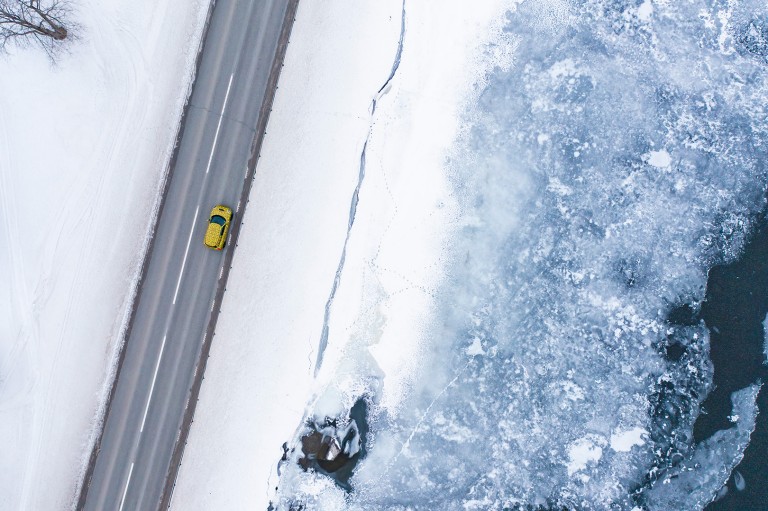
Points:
(182, 277)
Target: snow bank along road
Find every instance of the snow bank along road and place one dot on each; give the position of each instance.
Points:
(138, 453)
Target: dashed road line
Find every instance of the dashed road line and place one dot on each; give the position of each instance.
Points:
(186, 252)
(152, 387)
(125, 491)
(218, 127)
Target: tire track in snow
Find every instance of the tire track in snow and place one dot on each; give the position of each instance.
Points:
(21, 305)
(383, 90)
(18, 292)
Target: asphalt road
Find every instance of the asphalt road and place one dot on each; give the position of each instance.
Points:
(136, 454)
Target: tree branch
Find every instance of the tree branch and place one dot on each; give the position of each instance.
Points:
(41, 23)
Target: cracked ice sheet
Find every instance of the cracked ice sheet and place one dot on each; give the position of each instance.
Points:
(395, 257)
(567, 310)
(395, 254)
(259, 373)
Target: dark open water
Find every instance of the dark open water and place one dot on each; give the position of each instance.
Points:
(735, 307)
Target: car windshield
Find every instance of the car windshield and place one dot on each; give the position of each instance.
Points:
(216, 219)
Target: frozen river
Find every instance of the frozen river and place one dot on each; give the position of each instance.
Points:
(598, 178)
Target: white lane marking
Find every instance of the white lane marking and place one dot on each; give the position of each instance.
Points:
(186, 252)
(125, 491)
(221, 117)
(152, 388)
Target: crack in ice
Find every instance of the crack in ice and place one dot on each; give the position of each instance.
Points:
(356, 194)
(425, 414)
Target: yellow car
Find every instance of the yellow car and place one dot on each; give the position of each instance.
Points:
(218, 227)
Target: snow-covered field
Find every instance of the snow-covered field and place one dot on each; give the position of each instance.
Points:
(83, 149)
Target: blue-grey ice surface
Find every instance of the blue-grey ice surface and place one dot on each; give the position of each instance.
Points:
(765, 341)
(620, 158)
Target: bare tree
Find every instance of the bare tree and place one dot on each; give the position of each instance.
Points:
(38, 22)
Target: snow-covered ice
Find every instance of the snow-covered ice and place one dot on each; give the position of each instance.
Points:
(83, 149)
(624, 440)
(613, 153)
(583, 451)
(660, 159)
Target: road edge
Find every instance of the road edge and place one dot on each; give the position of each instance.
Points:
(264, 112)
(85, 483)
